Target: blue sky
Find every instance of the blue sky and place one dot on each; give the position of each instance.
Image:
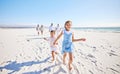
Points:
(80, 12)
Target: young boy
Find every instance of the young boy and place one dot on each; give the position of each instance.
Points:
(53, 48)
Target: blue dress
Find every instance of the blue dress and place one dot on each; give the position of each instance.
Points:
(67, 45)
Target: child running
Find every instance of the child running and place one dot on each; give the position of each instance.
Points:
(67, 45)
(52, 47)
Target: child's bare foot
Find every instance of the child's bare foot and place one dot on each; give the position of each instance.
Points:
(64, 62)
(52, 60)
(70, 68)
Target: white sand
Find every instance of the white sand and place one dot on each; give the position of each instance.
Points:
(23, 51)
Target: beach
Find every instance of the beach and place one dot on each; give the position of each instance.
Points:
(22, 51)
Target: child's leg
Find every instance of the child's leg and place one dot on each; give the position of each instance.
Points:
(41, 32)
(64, 56)
(53, 55)
(70, 60)
(38, 32)
(56, 52)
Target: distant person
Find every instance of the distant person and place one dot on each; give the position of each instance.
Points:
(51, 27)
(41, 29)
(37, 29)
(54, 47)
(58, 29)
(67, 45)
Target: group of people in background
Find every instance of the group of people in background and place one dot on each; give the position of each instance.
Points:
(67, 44)
(39, 29)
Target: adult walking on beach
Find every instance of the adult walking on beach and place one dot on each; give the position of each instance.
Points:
(37, 29)
(51, 27)
(58, 29)
(41, 29)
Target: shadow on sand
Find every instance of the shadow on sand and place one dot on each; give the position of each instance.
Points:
(47, 69)
(14, 66)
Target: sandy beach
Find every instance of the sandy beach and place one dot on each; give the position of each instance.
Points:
(22, 51)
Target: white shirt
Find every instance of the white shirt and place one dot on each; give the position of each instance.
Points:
(51, 28)
(51, 40)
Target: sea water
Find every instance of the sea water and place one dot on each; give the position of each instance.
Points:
(99, 29)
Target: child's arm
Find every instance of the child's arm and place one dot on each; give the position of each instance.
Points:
(74, 40)
(57, 38)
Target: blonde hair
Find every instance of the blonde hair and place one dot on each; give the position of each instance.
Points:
(68, 21)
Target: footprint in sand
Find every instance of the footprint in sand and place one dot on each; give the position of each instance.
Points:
(28, 40)
(114, 70)
(112, 54)
(91, 72)
(118, 65)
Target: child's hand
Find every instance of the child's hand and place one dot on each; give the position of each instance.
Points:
(83, 39)
(54, 43)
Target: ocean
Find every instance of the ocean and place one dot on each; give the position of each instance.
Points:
(99, 29)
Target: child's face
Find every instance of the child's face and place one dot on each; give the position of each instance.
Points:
(52, 34)
(68, 26)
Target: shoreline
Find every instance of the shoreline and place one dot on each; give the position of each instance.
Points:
(82, 29)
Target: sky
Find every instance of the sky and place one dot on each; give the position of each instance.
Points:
(82, 13)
